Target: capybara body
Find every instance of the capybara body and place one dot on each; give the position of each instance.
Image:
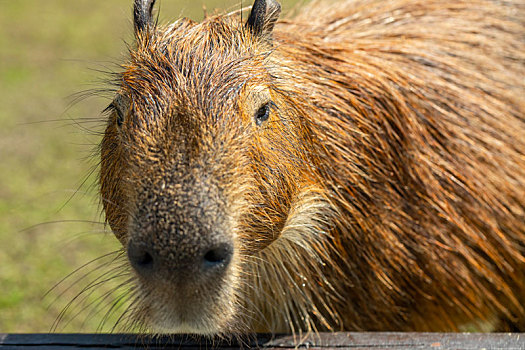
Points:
(357, 166)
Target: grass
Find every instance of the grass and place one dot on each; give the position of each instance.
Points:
(51, 50)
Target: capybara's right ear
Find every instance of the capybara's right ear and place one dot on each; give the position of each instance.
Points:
(262, 18)
(142, 15)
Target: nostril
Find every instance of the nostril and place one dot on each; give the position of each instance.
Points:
(145, 259)
(215, 256)
(139, 257)
(218, 255)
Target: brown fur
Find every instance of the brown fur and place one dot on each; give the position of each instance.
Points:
(385, 192)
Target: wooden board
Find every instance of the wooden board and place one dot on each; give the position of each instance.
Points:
(367, 340)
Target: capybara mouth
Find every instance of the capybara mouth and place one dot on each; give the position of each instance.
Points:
(170, 313)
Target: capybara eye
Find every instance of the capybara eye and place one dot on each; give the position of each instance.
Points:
(262, 114)
(120, 117)
(113, 108)
(120, 106)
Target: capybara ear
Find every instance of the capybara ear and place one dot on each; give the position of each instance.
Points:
(142, 14)
(262, 18)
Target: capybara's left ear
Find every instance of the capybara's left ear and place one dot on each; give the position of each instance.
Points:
(142, 15)
(262, 18)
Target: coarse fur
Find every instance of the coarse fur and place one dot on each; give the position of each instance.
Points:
(386, 190)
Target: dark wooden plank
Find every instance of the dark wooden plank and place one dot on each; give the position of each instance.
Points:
(365, 340)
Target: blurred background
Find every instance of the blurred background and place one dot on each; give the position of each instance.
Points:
(51, 52)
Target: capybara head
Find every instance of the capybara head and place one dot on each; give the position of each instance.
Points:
(203, 160)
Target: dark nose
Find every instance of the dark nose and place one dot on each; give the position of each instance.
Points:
(191, 261)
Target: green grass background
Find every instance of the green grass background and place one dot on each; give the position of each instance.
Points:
(49, 51)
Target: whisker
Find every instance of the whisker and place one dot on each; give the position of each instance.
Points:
(82, 293)
(112, 309)
(32, 227)
(105, 296)
(97, 301)
(78, 269)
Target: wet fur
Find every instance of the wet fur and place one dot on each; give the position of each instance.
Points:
(388, 190)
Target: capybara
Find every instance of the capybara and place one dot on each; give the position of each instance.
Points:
(359, 165)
